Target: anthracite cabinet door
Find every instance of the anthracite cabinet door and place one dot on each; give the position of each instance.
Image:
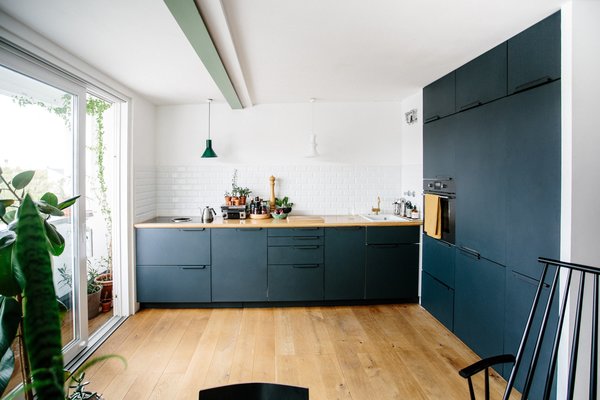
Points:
(534, 55)
(392, 234)
(482, 79)
(481, 180)
(438, 260)
(520, 292)
(172, 246)
(479, 304)
(438, 98)
(295, 282)
(173, 284)
(345, 263)
(534, 184)
(392, 271)
(438, 299)
(239, 264)
(439, 147)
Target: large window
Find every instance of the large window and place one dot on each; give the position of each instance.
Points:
(67, 132)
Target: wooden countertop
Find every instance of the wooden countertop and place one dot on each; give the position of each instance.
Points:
(314, 221)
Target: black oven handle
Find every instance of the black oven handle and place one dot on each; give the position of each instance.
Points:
(441, 195)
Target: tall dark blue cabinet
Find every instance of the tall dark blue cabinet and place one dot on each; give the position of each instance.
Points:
(501, 145)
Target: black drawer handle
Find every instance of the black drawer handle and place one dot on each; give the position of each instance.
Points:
(306, 247)
(248, 229)
(384, 246)
(307, 229)
(305, 266)
(432, 118)
(193, 230)
(471, 252)
(198, 267)
(533, 83)
(471, 105)
(306, 237)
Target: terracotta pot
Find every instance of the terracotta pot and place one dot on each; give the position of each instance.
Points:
(242, 200)
(236, 201)
(106, 305)
(105, 280)
(93, 304)
(227, 200)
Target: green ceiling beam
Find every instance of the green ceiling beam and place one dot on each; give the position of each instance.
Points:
(191, 23)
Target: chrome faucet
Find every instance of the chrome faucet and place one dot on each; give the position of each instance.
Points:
(376, 210)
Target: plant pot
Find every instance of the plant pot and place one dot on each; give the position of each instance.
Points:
(106, 305)
(242, 200)
(227, 200)
(94, 304)
(105, 280)
(236, 201)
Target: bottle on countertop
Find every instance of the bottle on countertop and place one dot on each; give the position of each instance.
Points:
(407, 209)
(414, 214)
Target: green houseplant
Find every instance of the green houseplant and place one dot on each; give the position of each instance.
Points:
(29, 310)
(284, 204)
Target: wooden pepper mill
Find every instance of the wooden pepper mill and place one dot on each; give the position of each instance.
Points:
(272, 199)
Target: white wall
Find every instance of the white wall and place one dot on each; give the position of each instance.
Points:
(580, 162)
(361, 147)
(143, 160)
(412, 150)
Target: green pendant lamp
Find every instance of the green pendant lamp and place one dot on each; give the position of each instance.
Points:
(209, 152)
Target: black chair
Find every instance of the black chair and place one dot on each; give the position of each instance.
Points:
(255, 391)
(542, 334)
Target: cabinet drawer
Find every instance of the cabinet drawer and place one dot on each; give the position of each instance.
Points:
(297, 282)
(482, 80)
(301, 254)
(295, 240)
(173, 284)
(438, 260)
(438, 299)
(173, 247)
(393, 234)
(309, 231)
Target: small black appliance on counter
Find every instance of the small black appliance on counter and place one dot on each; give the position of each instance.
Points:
(234, 212)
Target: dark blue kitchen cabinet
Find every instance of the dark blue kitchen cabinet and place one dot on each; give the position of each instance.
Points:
(295, 264)
(173, 283)
(439, 98)
(438, 147)
(481, 180)
(534, 55)
(172, 246)
(479, 304)
(482, 79)
(520, 292)
(438, 299)
(393, 234)
(345, 263)
(239, 264)
(438, 260)
(392, 271)
(533, 168)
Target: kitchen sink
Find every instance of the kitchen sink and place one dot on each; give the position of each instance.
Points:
(383, 218)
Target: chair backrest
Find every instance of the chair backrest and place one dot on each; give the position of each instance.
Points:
(254, 391)
(570, 304)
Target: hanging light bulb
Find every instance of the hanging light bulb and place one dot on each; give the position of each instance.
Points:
(209, 152)
(312, 142)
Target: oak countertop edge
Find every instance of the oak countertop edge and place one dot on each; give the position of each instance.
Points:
(329, 221)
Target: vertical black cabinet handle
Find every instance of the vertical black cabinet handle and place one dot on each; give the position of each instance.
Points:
(533, 83)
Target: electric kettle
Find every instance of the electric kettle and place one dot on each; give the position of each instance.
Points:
(208, 214)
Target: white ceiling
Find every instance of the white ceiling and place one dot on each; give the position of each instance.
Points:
(283, 51)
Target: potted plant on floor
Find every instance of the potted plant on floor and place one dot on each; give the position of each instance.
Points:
(93, 289)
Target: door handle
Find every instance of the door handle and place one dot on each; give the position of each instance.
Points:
(533, 83)
(197, 267)
(193, 230)
(471, 105)
(306, 247)
(306, 237)
(471, 252)
(432, 118)
(305, 266)
(248, 229)
(307, 229)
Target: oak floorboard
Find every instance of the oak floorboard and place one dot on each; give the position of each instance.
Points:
(340, 353)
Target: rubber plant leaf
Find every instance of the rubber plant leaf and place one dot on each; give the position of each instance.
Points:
(49, 209)
(8, 282)
(22, 179)
(56, 242)
(10, 316)
(50, 198)
(67, 203)
(41, 320)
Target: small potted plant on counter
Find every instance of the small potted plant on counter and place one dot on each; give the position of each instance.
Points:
(227, 198)
(243, 193)
(284, 204)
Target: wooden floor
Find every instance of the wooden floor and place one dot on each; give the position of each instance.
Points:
(359, 353)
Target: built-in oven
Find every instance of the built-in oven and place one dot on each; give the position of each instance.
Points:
(445, 189)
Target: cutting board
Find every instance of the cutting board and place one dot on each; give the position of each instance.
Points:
(305, 218)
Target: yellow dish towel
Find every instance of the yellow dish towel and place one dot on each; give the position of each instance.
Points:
(433, 216)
